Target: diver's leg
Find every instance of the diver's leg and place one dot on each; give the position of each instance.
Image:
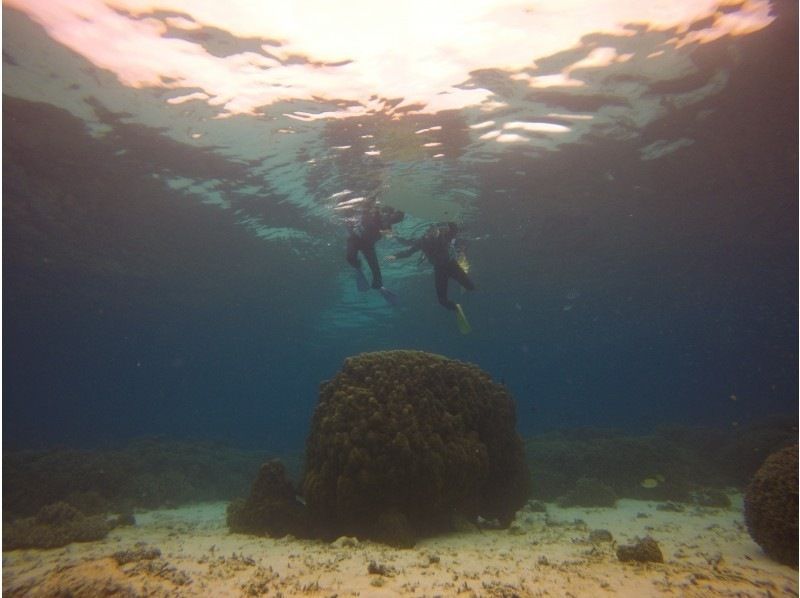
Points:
(441, 277)
(457, 272)
(352, 252)
(353, 245)
(372, 260)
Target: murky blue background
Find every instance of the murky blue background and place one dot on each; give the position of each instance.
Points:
(612, 291)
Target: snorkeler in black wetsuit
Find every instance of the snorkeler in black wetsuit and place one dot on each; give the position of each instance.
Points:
(365, 231)
(439, 246)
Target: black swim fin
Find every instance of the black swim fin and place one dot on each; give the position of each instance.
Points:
(390, 297)
(362, 284)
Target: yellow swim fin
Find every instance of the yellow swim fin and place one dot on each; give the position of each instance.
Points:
(461, 320)
(463, 262)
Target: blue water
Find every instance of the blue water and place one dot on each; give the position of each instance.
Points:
(612, 291)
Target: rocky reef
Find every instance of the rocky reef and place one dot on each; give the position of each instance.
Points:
(144, 474)
(683, 464)
(771, 504)
(272, 508)
(55, 525)
(402, 445)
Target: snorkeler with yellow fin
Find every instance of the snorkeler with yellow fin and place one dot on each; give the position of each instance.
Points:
(438, 244)
(461, 319)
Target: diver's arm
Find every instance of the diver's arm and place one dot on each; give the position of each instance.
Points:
(406, 252)
(406, 242)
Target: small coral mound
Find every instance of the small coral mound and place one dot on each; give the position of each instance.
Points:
(402, 443)
(54, 525)
(272, 507)
(645, 550)
(770, 506)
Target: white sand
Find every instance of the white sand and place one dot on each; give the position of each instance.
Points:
(706, 553)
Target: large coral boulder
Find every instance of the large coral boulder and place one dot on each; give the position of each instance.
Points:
(770, 506)
(403, 443)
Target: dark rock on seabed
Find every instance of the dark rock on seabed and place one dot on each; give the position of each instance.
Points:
(770, 506)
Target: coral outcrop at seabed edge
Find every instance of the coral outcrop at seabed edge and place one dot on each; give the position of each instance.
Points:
(145, 473)
(691, 464)
(770, 506)
(55, 525)
(272, 507)
(402, 442)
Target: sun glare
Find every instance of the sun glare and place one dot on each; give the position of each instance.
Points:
(419, 51)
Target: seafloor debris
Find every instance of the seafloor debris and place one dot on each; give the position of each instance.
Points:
(140, 553)
(645, 550)
(597, 536)
(375, 568)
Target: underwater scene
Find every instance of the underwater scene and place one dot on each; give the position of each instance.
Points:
(489, 298)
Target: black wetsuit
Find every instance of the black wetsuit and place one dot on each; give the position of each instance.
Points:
(363, 236)
(437, 245)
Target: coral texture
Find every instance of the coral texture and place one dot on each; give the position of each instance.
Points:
(402, 442)
(770, 506)
(54, 525)
(272, 507)
(146, 473)
(645, 550)
(686, 462)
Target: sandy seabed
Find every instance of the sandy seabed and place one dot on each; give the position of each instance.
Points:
(707, 552)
